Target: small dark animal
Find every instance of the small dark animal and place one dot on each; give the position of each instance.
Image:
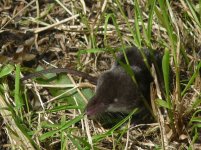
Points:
(117, 92)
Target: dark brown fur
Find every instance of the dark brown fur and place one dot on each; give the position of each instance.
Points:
(117, 92)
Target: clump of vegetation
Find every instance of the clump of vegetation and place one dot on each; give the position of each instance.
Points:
(48, 112)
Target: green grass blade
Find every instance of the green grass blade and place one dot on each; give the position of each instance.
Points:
(18, 100)
(61, 128)
(136, 23)
(192, 79)
(150, 21)
(6, 70)
(166, 74)
(193, 13)
(163, 103)
(97, 138)
(136, 40)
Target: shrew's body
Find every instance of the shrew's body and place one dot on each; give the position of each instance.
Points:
(116, 90)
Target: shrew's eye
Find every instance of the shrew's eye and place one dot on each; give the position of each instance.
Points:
(116, 100)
